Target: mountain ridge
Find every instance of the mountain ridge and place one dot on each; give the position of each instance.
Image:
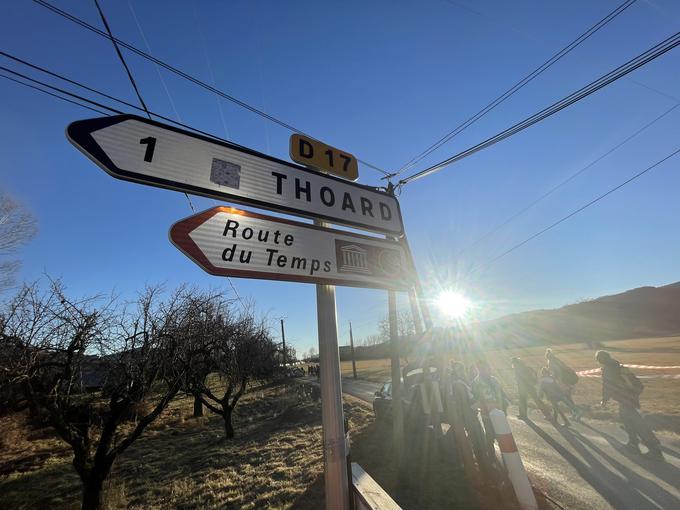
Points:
(636, 313)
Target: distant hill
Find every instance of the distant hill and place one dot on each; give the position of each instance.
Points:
(637, 313)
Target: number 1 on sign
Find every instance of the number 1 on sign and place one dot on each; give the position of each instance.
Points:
(329, 153)
(150, 143)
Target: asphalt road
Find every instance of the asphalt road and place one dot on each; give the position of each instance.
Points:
(585, 466)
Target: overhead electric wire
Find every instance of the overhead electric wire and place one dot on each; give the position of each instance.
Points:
(130, 77)
(121, 58)
(158, 71)
(565, 181)
(184, 75)
(68, 80)
(99, 92)
(575, 212)
(62, 91)
(642, 59)
(519, 85)
(53, 94)
(100, 105)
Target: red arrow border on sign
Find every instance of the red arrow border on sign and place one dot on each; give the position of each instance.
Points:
(179, 236)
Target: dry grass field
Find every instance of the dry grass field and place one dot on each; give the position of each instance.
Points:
(660, 399)
(275, 462)
(276, 459)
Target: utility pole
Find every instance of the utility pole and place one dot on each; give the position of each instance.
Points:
(283, 337)
(395, 358)
(332, 419)
(351, 344)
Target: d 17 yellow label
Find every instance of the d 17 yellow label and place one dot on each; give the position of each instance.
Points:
(323, 157)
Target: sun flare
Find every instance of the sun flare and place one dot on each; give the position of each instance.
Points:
(453, 304)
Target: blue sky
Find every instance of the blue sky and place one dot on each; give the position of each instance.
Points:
(383, 80)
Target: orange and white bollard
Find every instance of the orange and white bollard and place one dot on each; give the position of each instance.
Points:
(513, 461)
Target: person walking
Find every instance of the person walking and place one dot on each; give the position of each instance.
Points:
(526, 387)
(489, 395)
(462, 398)
(621, 385)
(566, 377)
(555, 394)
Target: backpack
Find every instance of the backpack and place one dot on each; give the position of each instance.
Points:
(631, 381)
(566, 374)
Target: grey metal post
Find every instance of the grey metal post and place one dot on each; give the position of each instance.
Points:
(398, 413)
(422, 304)
(283, 337)
(413, 301)
(351, 346)
(335, 456)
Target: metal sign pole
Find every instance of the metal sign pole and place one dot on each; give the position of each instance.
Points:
(335, 461)
(422, 304)
(413, 301)
(283, 337)
(351, 345)
(397, 411)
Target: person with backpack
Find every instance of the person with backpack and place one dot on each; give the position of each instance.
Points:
(565, 376)
(620, 384)
(555, 394)
(526, 387)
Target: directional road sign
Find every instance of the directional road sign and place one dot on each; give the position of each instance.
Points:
(145, 151)
(229, 242)
(315, 154)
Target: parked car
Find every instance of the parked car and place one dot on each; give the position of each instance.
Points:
(382, 403)
(411, 400)
(296, 372)
(412, 408)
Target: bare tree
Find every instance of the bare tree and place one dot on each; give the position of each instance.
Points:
(372, 340)
(90, 364)
(199, 334)
(291, 355)
(405, 326)
(240, 350)
(17, 227)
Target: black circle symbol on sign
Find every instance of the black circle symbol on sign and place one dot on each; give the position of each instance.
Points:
(389, 262)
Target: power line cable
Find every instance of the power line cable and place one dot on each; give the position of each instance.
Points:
(103, 94)
(575, 212)
(184, 75)
(158, 70)
(121, 58)
(518, 86)
(174, 108)
(69, 80)
(52, 94)
(204, 45)
(62, 91)
(642, 59)
(565, 181)
(113, 110)
(130, 77)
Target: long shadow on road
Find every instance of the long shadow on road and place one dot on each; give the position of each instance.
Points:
(608, 484)
(632, 482)
(662, 470)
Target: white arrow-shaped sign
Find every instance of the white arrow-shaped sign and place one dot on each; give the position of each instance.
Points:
(148, 152)
(229, 242)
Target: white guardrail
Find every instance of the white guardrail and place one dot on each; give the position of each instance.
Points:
(368, 495)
